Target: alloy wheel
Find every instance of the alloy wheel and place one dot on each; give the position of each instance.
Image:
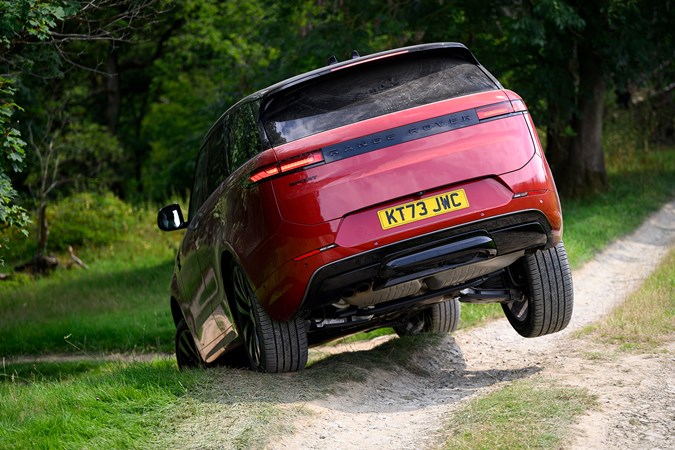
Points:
(247, 319)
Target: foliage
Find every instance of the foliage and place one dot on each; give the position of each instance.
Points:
(21, 21)
(76, 156)
(89, 219)
(12, 152)
(119, 303)
(217, 58)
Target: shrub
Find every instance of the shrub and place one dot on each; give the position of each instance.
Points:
(88, 219)
(81, 220)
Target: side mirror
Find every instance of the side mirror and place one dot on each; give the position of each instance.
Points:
(170, 218)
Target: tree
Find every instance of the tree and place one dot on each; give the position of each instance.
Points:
(564, 57)
(41, 41)
(221, 52)
(20, 21)
(70, 154)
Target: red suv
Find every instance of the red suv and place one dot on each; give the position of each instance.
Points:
(378, 191)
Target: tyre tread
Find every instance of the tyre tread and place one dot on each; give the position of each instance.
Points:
(551, 295)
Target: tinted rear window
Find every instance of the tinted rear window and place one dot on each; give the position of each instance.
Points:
(368, 90)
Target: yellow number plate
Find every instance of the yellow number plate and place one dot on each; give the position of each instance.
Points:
(423, 209)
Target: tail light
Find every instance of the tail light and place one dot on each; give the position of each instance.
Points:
(287, 165)
(500, 109)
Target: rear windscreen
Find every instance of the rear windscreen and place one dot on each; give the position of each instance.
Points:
(368, 90)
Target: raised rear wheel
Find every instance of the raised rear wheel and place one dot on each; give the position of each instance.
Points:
(271, 346)
(546, 307)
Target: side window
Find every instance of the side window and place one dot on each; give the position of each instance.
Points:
(243, 137)
(216, 171)
(199, 193)
(210, 170)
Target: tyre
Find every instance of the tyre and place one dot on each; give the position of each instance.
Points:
(271, 346)
(439, 318)
(546, 306)
(187, 355)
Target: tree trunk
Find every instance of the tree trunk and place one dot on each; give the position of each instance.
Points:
(584, 171)
(114, 95)
(42, 229)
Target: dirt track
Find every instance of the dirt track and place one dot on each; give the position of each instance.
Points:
(400, 409)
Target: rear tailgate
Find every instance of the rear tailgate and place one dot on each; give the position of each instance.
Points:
(401, 154)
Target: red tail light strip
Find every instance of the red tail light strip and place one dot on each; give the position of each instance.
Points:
(287, 165)
(497, 109)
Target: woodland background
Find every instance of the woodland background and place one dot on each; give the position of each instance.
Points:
(105, 102)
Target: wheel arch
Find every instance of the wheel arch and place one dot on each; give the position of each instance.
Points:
(176, 312)
(227, 262)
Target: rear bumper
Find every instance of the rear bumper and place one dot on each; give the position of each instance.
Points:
(357, 243)
(423, 256)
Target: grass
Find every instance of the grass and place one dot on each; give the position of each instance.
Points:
(89, 404)
(93, 404)
(646, 319)
(637, 187)
(524, 414)
(120, 304)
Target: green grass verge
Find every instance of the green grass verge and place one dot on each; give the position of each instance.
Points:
(646, 319)
(525, 414)
(152, 405)
(89, 404)
(120, 304)
(637, 187)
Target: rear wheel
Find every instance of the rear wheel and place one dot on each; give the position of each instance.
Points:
(187, 355)
(271, 346)
(439, 318)
(547, 305)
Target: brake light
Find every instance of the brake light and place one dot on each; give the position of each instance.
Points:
(287, 165)
(497, 109)
(301, 161)
(518, 105)
(265, 172)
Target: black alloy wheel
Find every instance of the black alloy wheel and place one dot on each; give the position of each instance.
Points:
(271, 346)
(246, 318)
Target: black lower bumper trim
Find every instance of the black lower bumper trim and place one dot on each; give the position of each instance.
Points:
(425, 255)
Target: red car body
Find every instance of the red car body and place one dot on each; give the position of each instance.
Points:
(394, 211)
